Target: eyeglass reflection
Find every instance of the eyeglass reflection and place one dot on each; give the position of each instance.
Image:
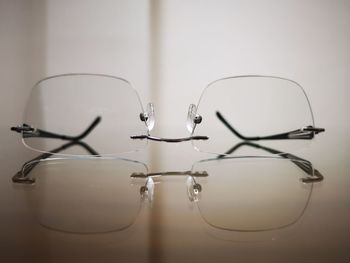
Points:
(247, 194)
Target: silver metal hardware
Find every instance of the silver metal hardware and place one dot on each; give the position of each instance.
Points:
(19, 178)
(158, 139)
(148, 116)
(305, 132)
(312, 129)
(197, 119)
(174, 173)
(23, 128)
(317, 177)
(143, 117)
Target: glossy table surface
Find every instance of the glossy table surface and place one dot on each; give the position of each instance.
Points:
(169, 225)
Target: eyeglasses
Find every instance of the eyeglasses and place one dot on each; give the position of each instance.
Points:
(94, 195)
(106, 111)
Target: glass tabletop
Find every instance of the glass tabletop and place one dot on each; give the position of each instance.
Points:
(170, 203)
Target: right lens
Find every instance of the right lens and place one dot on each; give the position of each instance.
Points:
(252, 194)
(87, 195)
(254, 106)
(66, 105)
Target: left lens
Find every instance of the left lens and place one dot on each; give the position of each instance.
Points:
(63, 109)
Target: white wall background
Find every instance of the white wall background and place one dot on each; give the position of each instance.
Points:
(22, 62)
(108, 36)
(39, 38)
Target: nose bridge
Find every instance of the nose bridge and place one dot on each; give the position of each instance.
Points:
(193, 188)
(148, 116)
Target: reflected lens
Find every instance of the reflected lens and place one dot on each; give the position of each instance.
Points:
(87, 196)
(252, 194)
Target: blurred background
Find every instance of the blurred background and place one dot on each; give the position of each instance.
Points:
(170, 50)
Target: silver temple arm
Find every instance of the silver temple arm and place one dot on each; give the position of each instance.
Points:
(305, 133)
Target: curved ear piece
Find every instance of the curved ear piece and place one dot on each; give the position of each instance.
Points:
(148, 116)
(193, 189)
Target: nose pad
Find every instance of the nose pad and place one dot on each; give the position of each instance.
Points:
(193, 190)
(148, 116)
(147, 190)
(192, 118)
